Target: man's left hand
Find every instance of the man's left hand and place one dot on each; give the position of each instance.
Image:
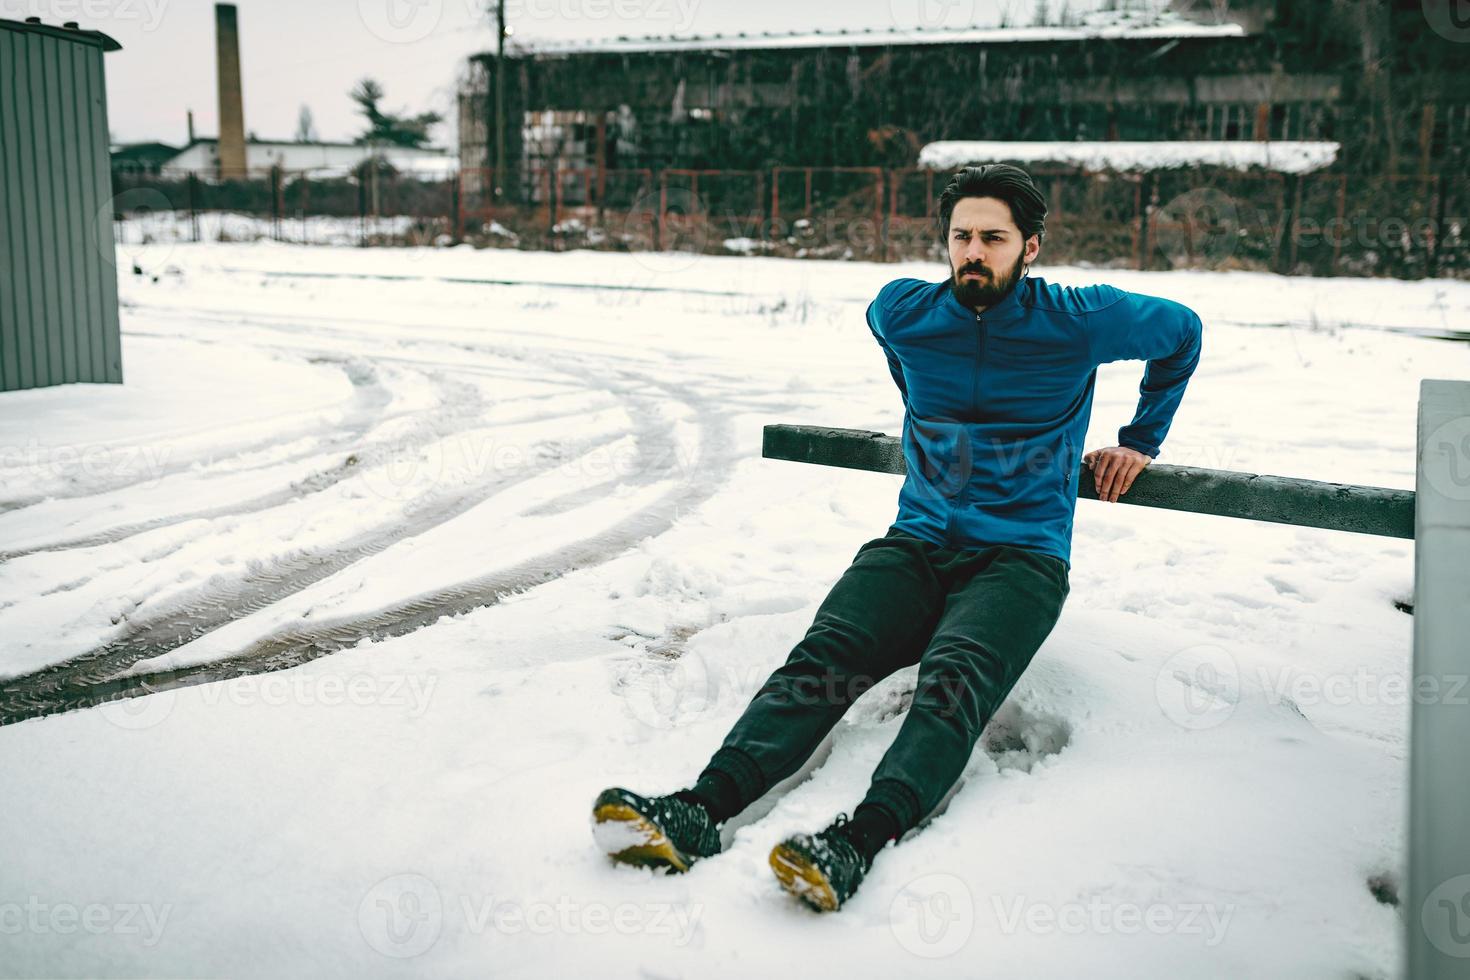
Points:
(1114, 469)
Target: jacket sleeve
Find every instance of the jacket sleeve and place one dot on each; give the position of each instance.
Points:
(894, 368)
(1169, 336)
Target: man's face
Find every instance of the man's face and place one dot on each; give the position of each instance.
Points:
(986, 251)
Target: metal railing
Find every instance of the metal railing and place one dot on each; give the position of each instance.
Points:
(1328, 223)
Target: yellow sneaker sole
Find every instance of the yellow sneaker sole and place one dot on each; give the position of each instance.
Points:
(802, 878)
(631, 839)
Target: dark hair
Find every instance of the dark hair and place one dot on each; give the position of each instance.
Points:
(1000, 180)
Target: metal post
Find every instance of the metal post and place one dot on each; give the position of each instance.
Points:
(276, 204)
(1437, 912)
(456, 209)
(499, 98)
(193, 207)
(1145, 198)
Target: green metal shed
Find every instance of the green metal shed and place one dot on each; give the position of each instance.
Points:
(58, 267)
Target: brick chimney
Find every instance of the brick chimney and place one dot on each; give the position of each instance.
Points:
(231, 104)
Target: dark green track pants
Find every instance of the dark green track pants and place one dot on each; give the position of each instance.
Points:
(971, 620)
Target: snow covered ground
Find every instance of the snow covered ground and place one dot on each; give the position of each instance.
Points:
(521, 497)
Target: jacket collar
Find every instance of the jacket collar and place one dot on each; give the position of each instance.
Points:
(1012, 307)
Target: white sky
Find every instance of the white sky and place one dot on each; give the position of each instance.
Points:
(312, 53)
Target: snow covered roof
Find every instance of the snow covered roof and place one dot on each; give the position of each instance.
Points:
(1284, 156)
(1164, 28)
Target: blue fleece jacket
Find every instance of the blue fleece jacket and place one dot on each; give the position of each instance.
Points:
(996, 405)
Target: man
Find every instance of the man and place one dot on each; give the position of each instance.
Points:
(997, 371)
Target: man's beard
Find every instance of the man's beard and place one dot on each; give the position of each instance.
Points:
(986, 292)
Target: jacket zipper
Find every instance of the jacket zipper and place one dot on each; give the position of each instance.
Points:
(979, 353)
(964, 491)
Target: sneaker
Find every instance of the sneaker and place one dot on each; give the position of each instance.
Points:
(655, 832)
(823, 870)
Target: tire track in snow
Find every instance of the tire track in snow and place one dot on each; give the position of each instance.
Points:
(364, 413)
(75, 685)
(353, 462)
(202, 614)
(91, 678)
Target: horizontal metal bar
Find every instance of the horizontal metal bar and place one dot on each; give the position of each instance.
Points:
(1222, 493)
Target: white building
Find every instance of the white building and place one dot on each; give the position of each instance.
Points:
(322, 159)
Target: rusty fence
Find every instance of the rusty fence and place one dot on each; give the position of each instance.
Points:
(1322, 224)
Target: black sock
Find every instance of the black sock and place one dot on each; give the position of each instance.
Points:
(716, 792)
(870, 828)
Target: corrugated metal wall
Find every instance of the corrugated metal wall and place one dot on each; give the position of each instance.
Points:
(58, 275)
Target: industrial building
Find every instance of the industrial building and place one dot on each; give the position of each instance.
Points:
(1371, 77)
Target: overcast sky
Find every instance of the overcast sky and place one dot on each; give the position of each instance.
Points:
(311, 52)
